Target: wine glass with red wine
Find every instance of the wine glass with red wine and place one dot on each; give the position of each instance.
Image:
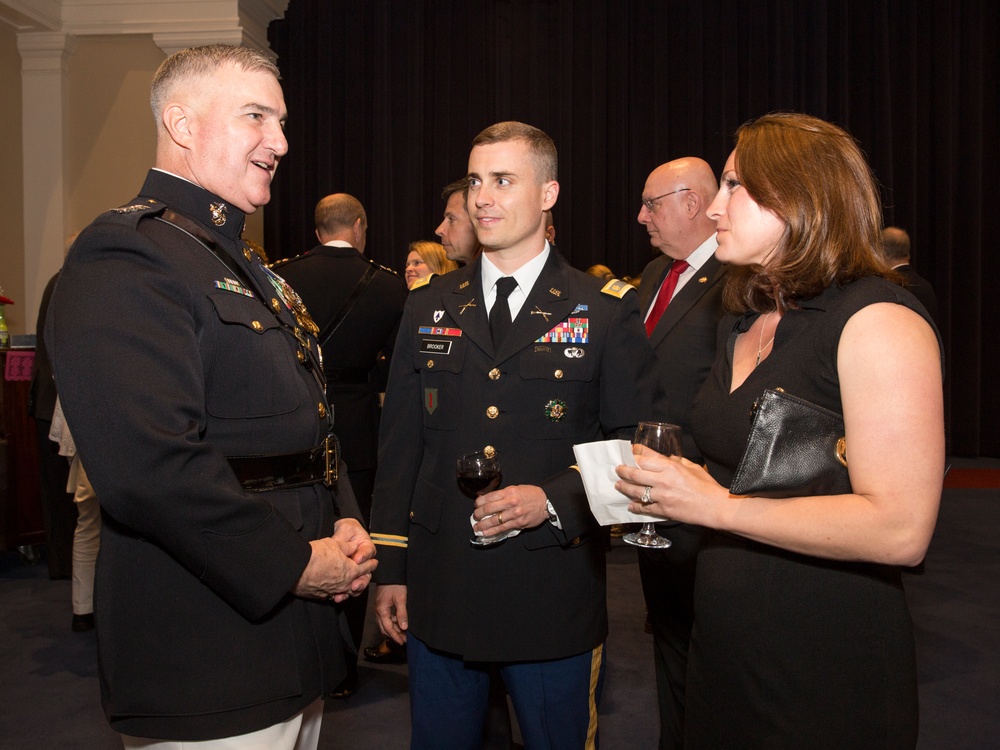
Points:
(665, 439)
(478, 474)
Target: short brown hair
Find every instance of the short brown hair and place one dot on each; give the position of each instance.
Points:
(458, 186)
(338, 211)
(201, 61)
(813, 176)
(541, 147)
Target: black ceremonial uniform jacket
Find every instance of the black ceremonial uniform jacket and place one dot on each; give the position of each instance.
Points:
(575, 367)
(166, 364)
(325, 277)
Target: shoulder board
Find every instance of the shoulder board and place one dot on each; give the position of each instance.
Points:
(419, 283)
(281, 261)
(132, 213)
(381, 267)
(617, 288)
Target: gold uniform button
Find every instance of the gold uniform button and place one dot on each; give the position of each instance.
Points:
(558, 374)
(411, 515)
(492, 412)
(489, 451)
(275, 305)
(257, 326)
(301, 355)
(246, 253)
(494, 374)
(322, 410)
(430, 364)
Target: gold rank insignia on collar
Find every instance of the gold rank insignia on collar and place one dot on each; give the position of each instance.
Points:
(617, 288)
(218, 211)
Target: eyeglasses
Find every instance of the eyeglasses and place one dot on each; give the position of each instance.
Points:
(649, 202)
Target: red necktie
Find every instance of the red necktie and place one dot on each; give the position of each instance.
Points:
(666, 292)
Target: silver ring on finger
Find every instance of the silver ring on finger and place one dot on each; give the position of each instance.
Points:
(646, 499)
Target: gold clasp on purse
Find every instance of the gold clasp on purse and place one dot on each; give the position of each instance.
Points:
(842, 450)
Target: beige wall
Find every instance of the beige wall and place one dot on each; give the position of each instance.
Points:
(109, 144)
(109, 131)
(11, 177)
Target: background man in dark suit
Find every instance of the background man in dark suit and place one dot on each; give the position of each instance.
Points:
(683, 335)
(573, 366)
(59, 512)
(896, 251)
(458, 237)
(356, 304)
(191, 384)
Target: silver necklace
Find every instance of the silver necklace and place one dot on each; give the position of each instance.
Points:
(761, 347)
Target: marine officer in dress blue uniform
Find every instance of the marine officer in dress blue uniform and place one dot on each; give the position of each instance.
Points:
(575, 366)
(192, 384)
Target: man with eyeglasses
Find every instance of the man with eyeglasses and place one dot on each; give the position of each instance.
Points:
(681, 299)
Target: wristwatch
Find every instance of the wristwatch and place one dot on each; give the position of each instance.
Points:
(553, 518)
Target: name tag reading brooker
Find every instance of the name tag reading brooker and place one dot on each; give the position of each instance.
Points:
(435, 346)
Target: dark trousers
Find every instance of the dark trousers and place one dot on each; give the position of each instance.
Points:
(668, 587)
(58, 508)
(555, 701)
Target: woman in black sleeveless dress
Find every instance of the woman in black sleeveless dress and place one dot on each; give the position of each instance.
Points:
(802, 637)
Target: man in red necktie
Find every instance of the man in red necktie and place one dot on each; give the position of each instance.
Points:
(681, 299)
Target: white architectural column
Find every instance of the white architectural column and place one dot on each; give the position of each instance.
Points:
(44, 58)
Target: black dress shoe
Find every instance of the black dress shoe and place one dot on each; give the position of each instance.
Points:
(345, 689)
(386, 652)
(83, 623)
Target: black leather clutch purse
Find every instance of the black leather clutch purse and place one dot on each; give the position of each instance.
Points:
(796, 448)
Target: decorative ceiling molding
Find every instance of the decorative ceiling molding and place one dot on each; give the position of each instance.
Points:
(174, 24)
(45, 52)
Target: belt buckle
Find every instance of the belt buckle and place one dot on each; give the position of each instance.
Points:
(331, 451)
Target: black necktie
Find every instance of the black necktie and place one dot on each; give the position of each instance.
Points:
(500, 314)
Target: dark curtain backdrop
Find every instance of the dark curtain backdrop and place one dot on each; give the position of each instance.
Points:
(385, 97)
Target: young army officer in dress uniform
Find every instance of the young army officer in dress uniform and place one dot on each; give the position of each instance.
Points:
(574, 366)
(196, 397)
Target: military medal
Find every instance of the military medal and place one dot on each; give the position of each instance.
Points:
(292, 301)
(555, 410)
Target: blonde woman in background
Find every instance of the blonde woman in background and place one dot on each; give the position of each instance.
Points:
(425, 259)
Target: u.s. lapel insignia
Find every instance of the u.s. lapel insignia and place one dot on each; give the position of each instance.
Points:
(555, 410)
(438, 314)
(463, 285)
(218, 211)
(466, 306)
(555, 291)
(539, 311)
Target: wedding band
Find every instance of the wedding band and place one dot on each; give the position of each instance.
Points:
(646, 499)
(500, 518)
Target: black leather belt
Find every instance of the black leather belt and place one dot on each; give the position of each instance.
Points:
(282, 471)
(347, 375)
